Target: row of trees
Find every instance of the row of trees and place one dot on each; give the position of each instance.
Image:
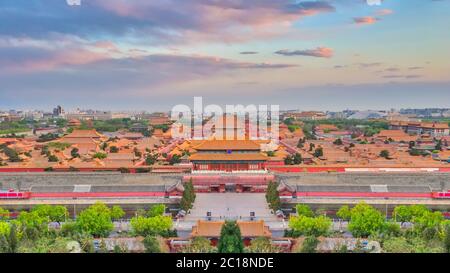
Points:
(429, 232)
(306, 223)
(31, 232)
(152, 223)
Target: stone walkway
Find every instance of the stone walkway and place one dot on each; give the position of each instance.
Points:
(230, 206)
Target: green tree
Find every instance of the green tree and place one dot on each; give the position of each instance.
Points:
(439, 145)
(113, 149)
(397, 245)
(407, 213)
(288, 160)
(428, 220)
(145, 226)
(157, 210)
(52, 213)
(53, 158)
(318, 152)
(151, 244)
(74, 153)
(304, 210)
(297, 159)
(310, 226)
(9, 243)
(385, 154)
(301, 143)
(230, 240)
(100, 155)
(310, 245)
(338, 142)
(4, 228)
(95, 220)
(12, 155)
(4, 214)
(31, 224)
(151, 159)
(365, 220)
(392, 229)
(117, 213)
(261, 245)
(447, 239)
(344, 213)
(103, 146)
(272, 196)
(199, 245)
(188, 197)
(69, 229)
(175, 159)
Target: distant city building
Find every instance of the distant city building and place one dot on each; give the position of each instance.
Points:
(10, 117)
(434, 129)
(90, 115)
(427, 112)
(368, 115)
(336, 115)
(58, 111)
(309, 115)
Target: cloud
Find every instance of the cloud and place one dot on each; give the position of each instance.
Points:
(402, 76)
(107, 76)
(157, 22)
(248, 52)
(31, 55)
(415, 67)
(392, 69)
(127, 82)
(366, 20)
(384, 12)
(369, 65)
(320, 52)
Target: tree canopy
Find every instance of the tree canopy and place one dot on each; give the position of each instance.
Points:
(156, 225)
(310, 226)
(96, 220)
(230, 238)
(365, 220)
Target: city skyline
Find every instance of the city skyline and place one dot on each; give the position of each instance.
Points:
(311, 55)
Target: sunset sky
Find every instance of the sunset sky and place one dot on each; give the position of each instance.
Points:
(151, 55)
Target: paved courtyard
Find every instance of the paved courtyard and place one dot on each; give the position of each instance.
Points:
(230, 206)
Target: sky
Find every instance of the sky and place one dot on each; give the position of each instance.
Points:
(151, 55)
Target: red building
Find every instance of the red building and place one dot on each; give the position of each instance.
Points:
(249, 230)
(228, 155)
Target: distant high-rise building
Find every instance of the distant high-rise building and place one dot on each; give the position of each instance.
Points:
(58, 111)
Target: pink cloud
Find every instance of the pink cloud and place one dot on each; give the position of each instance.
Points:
(320, 52)
(384, 12)
(29, 55)
(366, 20)
(229, 21)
